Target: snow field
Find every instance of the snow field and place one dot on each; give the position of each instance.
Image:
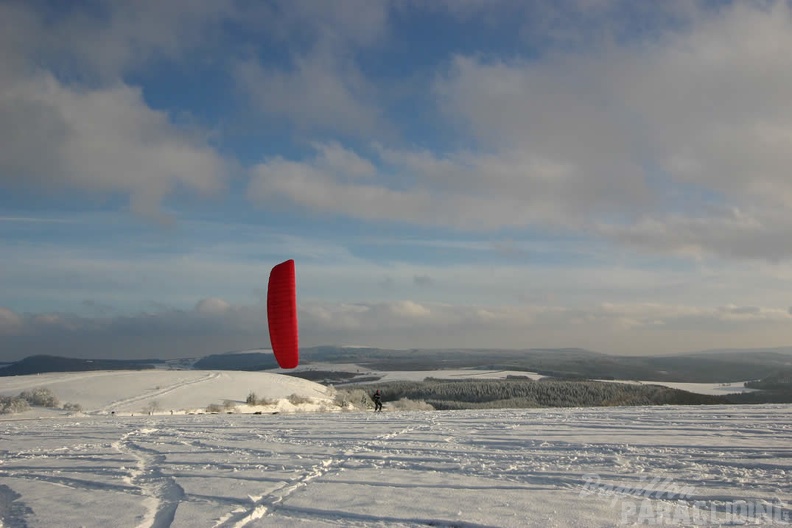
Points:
(548, 467)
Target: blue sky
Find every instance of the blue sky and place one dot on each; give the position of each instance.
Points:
(604, 174)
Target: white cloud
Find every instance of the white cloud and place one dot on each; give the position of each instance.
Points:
(656, 131)
(342, 24)
(727, 233)
(10, 322)
(553, 141)
(212, 306)
(102, 141)
(335, 158)
(112, 38)
(321, 92)
(96, 133)
(626, 328)
(715, 105)
(331, 182)
(466, 190)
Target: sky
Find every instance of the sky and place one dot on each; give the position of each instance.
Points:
(604, 174)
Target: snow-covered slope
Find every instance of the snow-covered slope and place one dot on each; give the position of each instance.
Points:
(163, 391)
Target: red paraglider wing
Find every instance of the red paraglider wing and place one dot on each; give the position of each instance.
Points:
(282, 314)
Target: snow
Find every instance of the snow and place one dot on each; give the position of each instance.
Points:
(182, 391)
(684, 466)
(713, 389)
(416, 375)
(419, 375)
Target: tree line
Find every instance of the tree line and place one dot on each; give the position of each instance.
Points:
(524, 393)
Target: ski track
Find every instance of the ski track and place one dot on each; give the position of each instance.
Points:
(158, 392)
(268, 504)
(162, 492)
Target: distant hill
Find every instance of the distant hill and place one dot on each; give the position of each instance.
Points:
(451, 358)
(781, 380)
(248, 361)
(741, 352)
(704, 367)
(775, 388)
(723, 366)
(44, 363)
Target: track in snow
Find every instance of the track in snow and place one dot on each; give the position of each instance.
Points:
(466, 469)
(163, 493)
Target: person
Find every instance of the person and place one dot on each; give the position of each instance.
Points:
(377, 401)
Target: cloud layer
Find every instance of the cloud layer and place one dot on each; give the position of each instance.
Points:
(215, 325)
(608, 174)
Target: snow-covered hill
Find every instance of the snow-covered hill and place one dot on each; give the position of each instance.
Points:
(169, 391)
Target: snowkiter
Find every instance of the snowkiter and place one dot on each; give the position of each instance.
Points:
(377, 401)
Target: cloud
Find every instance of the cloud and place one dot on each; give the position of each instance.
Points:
(611, 134)
(218, 325)
(727, 233)
(102, 141)
(648, 314)
(107, 39)
(10, 322)
(609, 327)
(714, 106)
(166, 333)
(552, 141)
(336, 180)
(645, 132)
(320, 93)
(353, 23)
(322, 88)
(670, 141)
(423, 281)
(96, 133)
(623, 135)
(464, 190)
(212, 306)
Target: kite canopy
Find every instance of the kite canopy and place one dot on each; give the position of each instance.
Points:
(282, 314)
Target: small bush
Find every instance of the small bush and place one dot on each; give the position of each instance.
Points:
(214, 408)
(40, 398)
(229, 405)
(405, 404)
(252, 399)
(13, 405)
(352, 399)
(72, 407)
(296, 399)
(152, 407)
